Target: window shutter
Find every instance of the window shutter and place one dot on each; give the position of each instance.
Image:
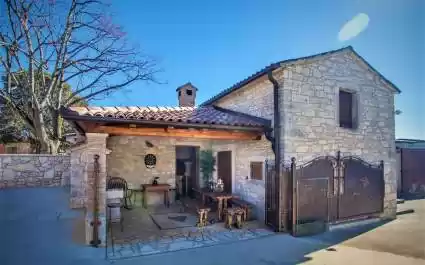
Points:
(257, 170)
(355, 110)
(345, 109)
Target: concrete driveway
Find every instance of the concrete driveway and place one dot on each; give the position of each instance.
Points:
(36, 227)
(401, 241)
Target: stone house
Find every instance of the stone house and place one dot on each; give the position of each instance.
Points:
(302, 108)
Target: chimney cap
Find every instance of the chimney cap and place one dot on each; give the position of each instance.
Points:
(188, 84)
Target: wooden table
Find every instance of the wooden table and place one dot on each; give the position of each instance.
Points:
(220, 197)
(165, 188)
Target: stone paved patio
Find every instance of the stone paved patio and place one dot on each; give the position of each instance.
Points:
(141, 236)
(186, 240)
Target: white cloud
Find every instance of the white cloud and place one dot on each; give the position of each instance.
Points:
(353, 27)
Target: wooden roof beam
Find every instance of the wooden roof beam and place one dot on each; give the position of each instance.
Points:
(171, 132)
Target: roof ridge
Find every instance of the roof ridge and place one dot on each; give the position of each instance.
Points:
(136, 106)
(278, 64)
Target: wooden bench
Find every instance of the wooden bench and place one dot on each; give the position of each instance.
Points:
(248, 207)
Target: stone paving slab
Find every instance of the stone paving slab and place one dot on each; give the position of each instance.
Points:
(187, 241)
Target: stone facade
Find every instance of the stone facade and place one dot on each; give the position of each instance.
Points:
(252, 190)
(256, 98)
(310, 120)
(126, 159)
(29, 170)
(127, 154)
(309, 113)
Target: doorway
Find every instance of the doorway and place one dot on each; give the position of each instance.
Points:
(187, 170)
(224, 169)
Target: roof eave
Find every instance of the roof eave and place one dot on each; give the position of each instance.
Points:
(164, 123)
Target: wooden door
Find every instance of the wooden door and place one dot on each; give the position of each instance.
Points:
(224, 169)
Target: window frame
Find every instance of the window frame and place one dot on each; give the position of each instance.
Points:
(353, 125)
(262, 170)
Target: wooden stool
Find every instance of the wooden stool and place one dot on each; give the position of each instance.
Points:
(228, 219)
(234, 216)
(240, 215)
(202, 216)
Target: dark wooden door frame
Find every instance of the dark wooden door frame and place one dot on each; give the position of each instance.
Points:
(224, 162)
(194, 156)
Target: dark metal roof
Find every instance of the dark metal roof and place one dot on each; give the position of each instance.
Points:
(201, 117)
(279, 64)
(409, 141)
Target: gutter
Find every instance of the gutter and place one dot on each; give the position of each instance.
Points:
(276, 149)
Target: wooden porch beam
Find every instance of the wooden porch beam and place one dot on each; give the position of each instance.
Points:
(171, 132)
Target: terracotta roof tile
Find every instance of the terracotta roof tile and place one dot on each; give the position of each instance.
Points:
(208, 115)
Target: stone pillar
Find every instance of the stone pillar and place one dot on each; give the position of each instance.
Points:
(390, 197)
(78, 178)
(95, 145)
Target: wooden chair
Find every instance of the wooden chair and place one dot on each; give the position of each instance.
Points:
(120, 183)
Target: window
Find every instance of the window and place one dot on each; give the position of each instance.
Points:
(257, 170)
(189, 92)
(347, 110)
(180, 93)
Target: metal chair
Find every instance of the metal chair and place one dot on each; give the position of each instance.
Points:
(120, 183)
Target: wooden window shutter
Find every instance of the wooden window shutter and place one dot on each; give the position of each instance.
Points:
(257, 170)
(345, 109)
(355, 110)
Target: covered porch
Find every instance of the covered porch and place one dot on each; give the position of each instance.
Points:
(141, 150)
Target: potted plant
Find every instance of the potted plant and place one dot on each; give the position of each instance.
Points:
(207, 165)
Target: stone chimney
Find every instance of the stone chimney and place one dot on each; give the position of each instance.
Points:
(186, 95)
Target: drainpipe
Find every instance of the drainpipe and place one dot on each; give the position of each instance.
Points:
(282, 216)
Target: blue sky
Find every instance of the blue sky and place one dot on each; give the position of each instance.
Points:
(214, 44)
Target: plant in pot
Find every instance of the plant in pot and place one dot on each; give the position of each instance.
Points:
(207, 166)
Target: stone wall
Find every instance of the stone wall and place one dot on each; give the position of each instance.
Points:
(310, 115)
(30, 170)
(256, 99)
(127, 154)
(126, 159)
(252, 190)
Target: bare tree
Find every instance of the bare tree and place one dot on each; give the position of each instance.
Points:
(46, 44)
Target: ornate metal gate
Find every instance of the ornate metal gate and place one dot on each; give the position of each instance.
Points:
(333, 189)
(360, 188)
(310, 195)
(272, 196)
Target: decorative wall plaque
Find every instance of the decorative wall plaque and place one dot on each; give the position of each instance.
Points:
(150, 160)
